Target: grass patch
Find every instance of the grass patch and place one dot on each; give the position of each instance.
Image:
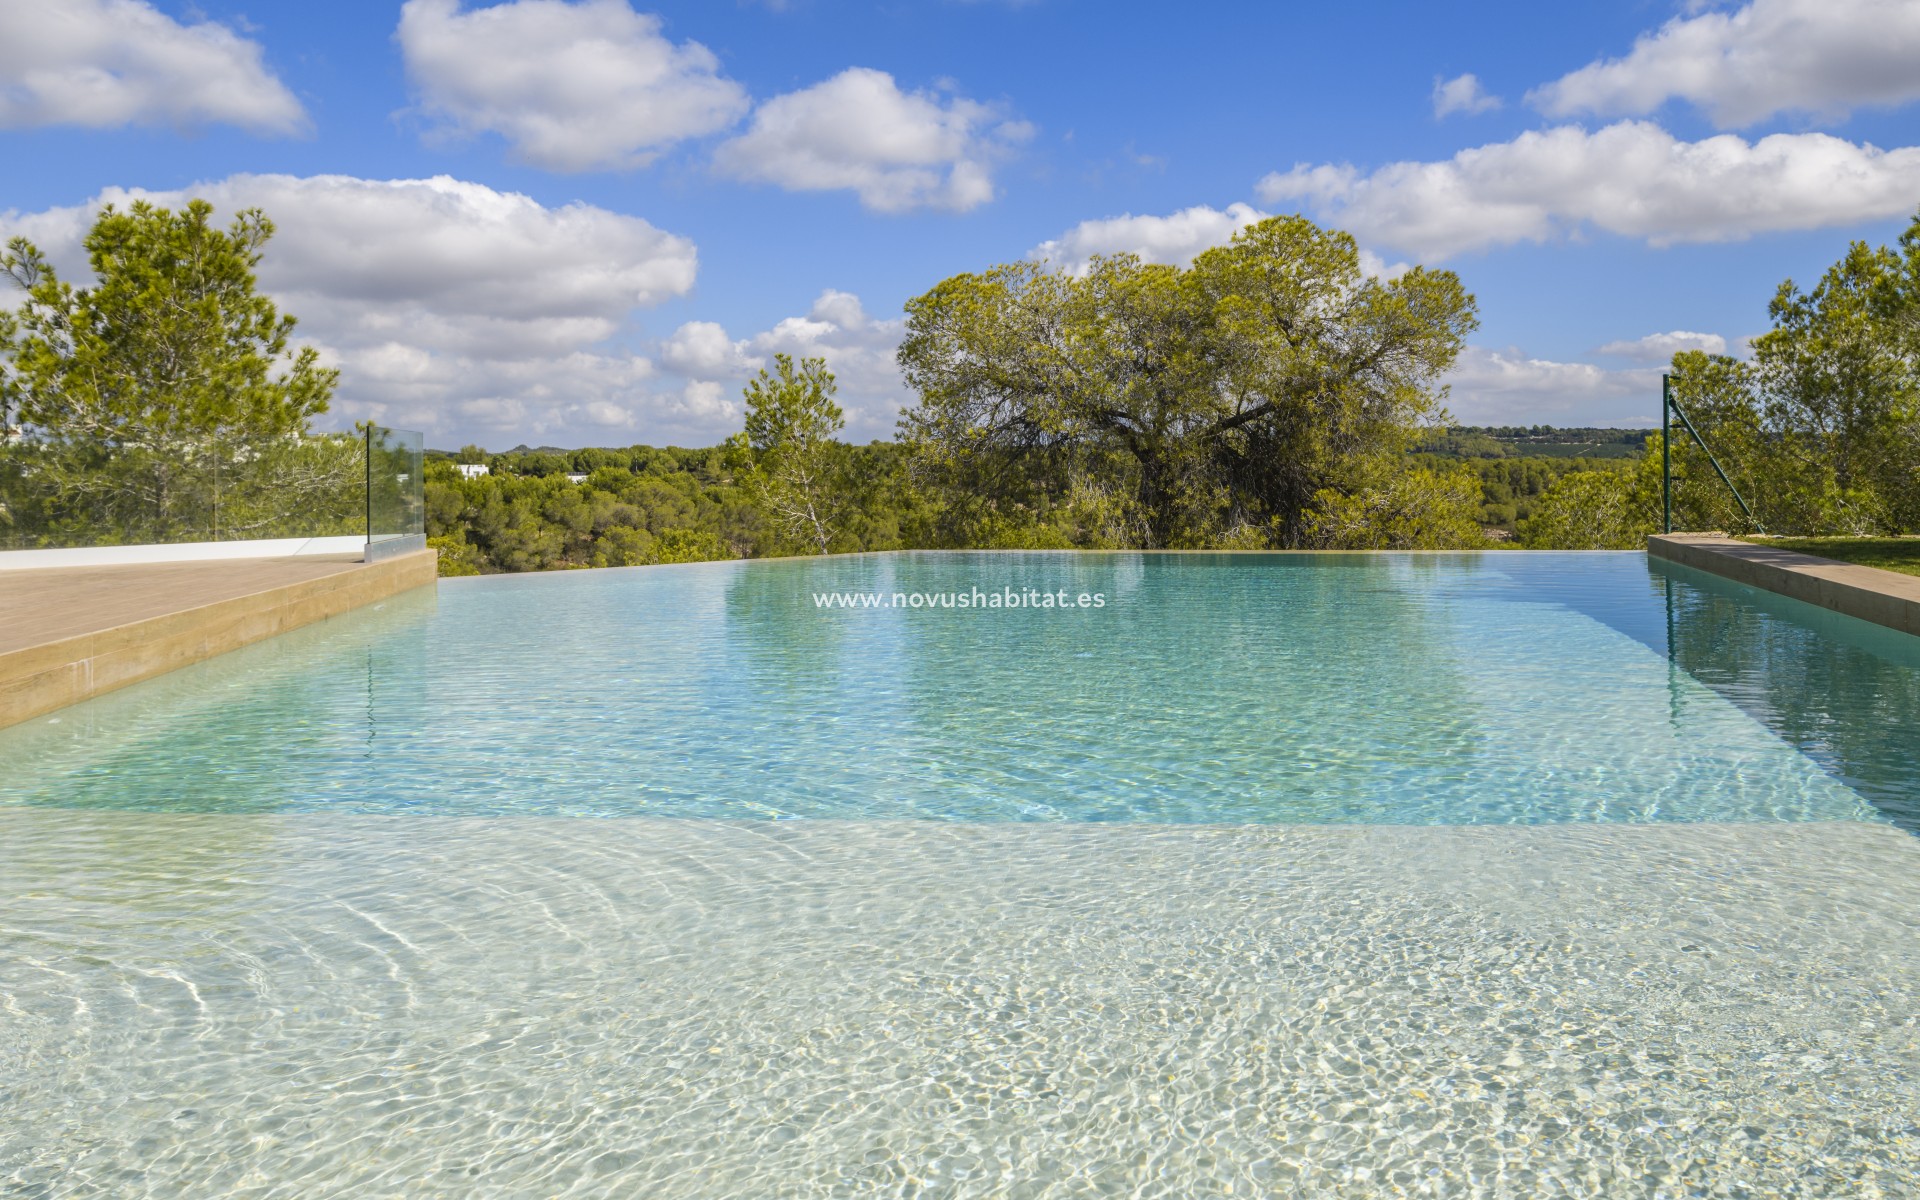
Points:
(1888, 553)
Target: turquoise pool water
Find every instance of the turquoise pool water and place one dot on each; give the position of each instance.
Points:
(1504, 876)
(1418, 689)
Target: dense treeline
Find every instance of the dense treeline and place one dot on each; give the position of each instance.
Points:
(644, 504)
(1241, 403)
(1818, 431)
(1510, 487)
(1270, 395)
(1266, 396)
(1537, 441)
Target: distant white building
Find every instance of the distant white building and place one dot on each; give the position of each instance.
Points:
(575, 477)
(472, 470)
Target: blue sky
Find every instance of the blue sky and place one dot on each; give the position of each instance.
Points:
(588, 223)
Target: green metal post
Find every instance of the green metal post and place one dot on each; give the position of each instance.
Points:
(1666, 453)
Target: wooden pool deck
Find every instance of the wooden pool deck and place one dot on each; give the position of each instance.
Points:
(68, 634)
(1869, 593)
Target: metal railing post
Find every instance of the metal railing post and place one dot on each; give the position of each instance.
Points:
(1666, 453)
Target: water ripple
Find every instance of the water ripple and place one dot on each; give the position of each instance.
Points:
(326, 1005)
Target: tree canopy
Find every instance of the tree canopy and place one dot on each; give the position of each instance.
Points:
(165, 397)
(1163, 406)
(1820, 429)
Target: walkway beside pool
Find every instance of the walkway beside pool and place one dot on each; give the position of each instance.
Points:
(68, 634)
(1869, 593)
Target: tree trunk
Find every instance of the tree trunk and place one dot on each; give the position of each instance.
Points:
(1153, 497)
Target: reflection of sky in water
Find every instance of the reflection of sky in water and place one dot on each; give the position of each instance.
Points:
(1418, 689)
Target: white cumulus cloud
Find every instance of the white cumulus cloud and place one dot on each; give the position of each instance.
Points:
(571, 86)
(858, 131)
(1509, 387)
(1462, 94)
(448, 306)
(104, 63)
(1661, 347)
(1633, 179)
(1770, 56)
(859, 350)
(1175, 239)
(703, 350)
(707, 404)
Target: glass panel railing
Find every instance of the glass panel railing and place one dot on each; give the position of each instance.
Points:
(359, 493)
(58, 494)
(396, 492)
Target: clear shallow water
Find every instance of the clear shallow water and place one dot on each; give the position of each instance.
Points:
(1436, 689)
(341, 1006)
(1508, 876)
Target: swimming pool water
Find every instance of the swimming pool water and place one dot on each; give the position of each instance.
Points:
(1414, 689)
(1506, 876)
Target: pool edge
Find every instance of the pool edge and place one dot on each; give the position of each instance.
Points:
(36, 680)
(1885, 598)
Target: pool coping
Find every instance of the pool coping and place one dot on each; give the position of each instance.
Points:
(1869, 593)
(41, 678)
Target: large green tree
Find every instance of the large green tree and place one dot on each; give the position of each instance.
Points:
(1153, 405)
(165, 400)
(1820, 429)
(787, 457)
(1607, 509)
(1412, 508)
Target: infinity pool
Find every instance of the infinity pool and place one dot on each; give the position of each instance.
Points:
(1341, 875)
